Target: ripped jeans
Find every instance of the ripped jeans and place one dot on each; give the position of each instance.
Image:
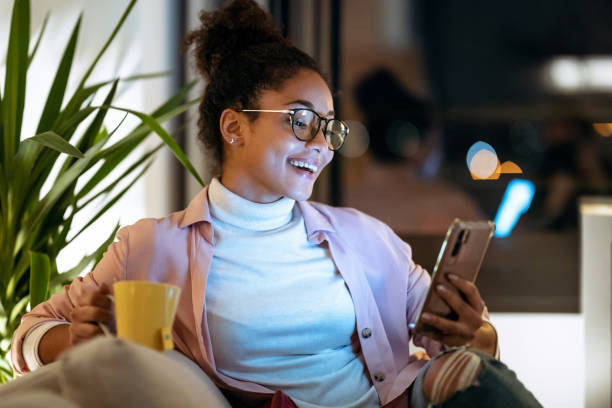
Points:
(496, 387)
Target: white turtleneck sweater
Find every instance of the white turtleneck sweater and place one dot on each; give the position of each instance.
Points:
(279, 313)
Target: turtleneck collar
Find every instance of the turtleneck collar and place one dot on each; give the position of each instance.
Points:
(240, 212)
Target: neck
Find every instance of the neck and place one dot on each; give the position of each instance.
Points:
(242, 186)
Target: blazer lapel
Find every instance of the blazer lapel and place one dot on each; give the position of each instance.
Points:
(199, 266)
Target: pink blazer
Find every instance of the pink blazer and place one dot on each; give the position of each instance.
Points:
(385, 284)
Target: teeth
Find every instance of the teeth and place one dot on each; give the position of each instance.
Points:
(302, 164)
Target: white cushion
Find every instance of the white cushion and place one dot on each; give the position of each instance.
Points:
(111, 372)
(36, 399)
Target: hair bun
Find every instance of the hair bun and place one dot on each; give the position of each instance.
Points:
(229, 31)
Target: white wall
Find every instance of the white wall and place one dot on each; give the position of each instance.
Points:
(546, 351)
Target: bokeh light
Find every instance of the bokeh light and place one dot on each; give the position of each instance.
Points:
(565, 73)
(402, 138)
(482, 160)
(358, 140)
(516, 201)
(604, 129)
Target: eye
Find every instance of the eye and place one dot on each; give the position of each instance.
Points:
(300, 123)
(302, 119)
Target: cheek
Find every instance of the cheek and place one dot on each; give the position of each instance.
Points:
(275, 153)
(328, 156)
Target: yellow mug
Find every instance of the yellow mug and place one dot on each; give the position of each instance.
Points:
(145, 312)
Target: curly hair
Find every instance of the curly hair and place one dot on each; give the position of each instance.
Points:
(240, 53)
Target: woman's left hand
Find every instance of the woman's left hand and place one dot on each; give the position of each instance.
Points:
(468, 309)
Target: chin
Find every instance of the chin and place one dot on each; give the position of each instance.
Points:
(299, 195)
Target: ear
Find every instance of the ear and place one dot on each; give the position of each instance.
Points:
(232, 126)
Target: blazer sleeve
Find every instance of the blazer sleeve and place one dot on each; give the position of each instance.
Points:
(418, 285)
(59, 307)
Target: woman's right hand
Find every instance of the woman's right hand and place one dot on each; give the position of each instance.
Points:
(91, 308)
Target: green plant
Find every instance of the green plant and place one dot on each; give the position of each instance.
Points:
(71, 137)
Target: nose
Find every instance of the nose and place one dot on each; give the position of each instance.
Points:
(318, 143)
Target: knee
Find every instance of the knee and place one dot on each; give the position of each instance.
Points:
(450, 373)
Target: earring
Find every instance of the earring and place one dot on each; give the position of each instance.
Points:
(232, 140)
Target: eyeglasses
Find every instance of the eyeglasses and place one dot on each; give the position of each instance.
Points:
(306, 123)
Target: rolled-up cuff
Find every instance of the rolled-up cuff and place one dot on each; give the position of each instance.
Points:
(32, 341)
(496, 353)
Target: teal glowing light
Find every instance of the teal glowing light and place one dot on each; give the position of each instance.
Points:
(516, 201)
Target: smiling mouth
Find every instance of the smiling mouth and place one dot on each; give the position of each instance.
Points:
(311, 168)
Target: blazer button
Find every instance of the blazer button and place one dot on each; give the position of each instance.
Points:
(379, 376)
(367, 332)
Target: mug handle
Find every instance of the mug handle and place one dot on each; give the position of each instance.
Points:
(104, 327)
(166, 337)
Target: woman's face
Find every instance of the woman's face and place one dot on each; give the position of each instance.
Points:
(259, 165)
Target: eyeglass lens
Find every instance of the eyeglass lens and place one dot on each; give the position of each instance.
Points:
(306, 125)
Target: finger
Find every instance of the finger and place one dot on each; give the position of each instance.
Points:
(101, 300)
(85, 330)
(76, 340)
(456, 302)
(467, 315)
(471, 292)
(437, 336)
(91, 314)
(97, 298)
(454, 341)
(449, 327)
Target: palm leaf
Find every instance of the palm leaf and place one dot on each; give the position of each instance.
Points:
(168, 110)
(89, 137)
(73, 106)
(58, 88)
(108, 42)
(1, 130)
(15, 79)
(40, 35)
(13, 320)
(41, 163)
(60, 234)
(3, 201)
(113, 200)
(86, 260)
(154, 125)
(40, 271)
(60, 186)
(95, 126)
(150, 75)
(66, 127)
(81, 95)
(56, 142)
(116, 153)
(102, 174)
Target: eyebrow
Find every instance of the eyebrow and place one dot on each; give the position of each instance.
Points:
(309, 105)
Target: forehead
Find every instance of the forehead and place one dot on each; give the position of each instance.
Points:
(306, 85)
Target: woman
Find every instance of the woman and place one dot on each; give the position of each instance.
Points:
(278, 293)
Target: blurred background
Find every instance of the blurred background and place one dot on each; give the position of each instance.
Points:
(419, 82)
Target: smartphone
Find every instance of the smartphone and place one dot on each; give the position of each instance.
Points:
(462, 253)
